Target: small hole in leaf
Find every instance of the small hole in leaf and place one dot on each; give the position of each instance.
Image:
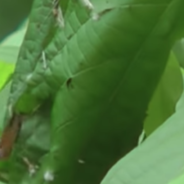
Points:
(69, 83)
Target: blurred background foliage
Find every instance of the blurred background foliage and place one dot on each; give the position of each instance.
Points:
(12, 15)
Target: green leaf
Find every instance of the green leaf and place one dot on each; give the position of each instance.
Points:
(101, 74)
(107, 70)
(42, 27)
(162, 104)
(158, 160)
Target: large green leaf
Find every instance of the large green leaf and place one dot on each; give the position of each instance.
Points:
(101, 73)
(99, 88)
(158, 160)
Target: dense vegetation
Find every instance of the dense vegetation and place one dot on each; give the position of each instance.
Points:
(94, 94)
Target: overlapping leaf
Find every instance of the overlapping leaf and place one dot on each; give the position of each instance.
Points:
(163, 102)
(158, 160)
(103, 73)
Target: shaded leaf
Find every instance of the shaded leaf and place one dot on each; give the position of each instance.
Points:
(33, 144)
(158, 160)
(102, 74)
(100, 99)
(163, 102)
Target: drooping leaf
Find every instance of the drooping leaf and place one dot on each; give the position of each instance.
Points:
(101, 99)
(102, 74)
